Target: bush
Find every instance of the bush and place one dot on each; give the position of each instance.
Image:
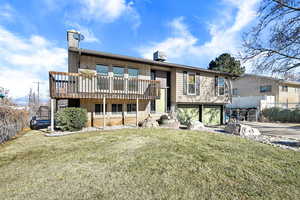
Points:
(71, 119)
(12, 121)
(186, 115)
(282, 115)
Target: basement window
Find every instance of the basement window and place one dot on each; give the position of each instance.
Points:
(117, 108)
(131, 108)
(99, 109)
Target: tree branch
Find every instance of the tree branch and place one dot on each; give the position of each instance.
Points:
(281, 3)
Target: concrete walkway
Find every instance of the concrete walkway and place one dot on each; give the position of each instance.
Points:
(287, 130)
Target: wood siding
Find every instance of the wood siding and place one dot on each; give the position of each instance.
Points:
(207, 90)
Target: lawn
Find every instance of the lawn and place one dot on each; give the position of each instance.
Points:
(146, 164)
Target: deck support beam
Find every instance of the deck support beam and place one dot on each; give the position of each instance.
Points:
(104, 112)
(52, 115)
(137, 112)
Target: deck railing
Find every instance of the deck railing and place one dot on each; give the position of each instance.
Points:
(76, 85)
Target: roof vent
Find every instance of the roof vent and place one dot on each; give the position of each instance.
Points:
(159, 56)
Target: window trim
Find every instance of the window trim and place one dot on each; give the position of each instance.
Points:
(187, 82)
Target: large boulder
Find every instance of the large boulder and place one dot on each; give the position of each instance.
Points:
(195, 125)
(169, 121)
(241, 130)
(149, 122)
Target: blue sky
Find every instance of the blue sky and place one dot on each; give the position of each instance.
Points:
(192, 32)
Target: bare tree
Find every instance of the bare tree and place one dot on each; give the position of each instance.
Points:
(274, 41)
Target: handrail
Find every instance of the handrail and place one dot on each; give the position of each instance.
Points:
(85, 75)
(76, 85)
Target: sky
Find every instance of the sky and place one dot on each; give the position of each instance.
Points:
(191, 32)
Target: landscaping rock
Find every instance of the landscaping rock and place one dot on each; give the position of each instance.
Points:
(169, 121)
(149, 122)
(195, 125)
(242, 130)
(172, 123)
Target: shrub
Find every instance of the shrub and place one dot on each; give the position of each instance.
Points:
(282, 115)
(186, 115)
(71, 119)
(12, 121)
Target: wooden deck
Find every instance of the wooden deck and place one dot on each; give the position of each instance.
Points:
(64, 85)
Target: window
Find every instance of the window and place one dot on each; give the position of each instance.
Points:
(102, 70)
(284, 88)
(118, 83)
(131, 108)
(234, 91)
(133, 72)
(116, 108)
(99, 109)
(102, 81)
(191, 83)
(265, 88)
(221, 86)
(118, 71)
(133, 82)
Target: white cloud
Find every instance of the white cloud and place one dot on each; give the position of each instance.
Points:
(106, 10)
(25, 60)
(183, 47)
(6, 12)
(109, 11)
(89, 35)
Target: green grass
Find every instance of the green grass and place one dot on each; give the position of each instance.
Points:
(146, 164)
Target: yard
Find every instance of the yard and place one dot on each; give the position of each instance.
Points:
(146, 164)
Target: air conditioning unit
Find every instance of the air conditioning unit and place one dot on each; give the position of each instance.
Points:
(159, 56)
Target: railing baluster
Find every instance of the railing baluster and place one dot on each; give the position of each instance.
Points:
(71, 85)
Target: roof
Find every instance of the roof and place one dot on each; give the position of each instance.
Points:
(147, 61)
(274, 79)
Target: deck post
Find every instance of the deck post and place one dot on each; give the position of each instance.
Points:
(52, 114)
(104, 112)
(137, 112)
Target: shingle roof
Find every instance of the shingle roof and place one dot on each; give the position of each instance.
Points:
(273, 78)
(146, 61)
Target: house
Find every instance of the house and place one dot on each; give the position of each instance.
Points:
(252, 93)
(117, 89)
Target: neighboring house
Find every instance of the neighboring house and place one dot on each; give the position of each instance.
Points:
(252, 93)
(126, 85)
